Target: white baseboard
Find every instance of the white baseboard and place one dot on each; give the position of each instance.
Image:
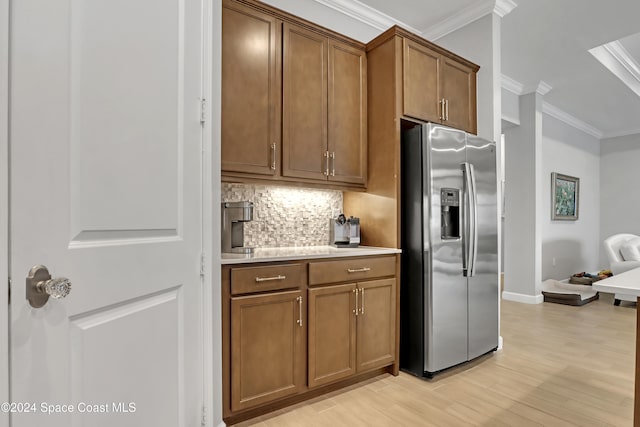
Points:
(523, 298)
(500, 343)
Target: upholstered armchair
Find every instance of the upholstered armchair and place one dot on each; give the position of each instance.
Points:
(623, 251)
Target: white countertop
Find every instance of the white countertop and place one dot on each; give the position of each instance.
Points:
(303, 252)
(624, 283)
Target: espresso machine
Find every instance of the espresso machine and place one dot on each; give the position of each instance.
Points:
(234, 217)
(344, 232)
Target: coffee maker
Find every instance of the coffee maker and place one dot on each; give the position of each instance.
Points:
(344, 232)
(234, 217)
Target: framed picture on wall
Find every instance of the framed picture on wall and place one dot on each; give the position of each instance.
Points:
(565, 197)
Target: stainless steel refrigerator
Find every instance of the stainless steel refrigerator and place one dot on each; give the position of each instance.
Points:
(449, 277)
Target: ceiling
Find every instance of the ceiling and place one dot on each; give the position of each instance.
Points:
(544, 41)
(549, 40)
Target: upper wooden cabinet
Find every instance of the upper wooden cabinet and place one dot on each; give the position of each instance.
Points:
(251, 91)
(304, 125)
(324, 108)
(438, 88)
(321, 106)
(459, 94)
(347, 132)
(421, 82)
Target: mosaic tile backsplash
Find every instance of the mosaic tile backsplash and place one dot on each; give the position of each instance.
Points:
(284, 216)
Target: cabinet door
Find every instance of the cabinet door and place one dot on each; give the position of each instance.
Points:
(251, 91)
(459, 89)
(347, 113)
(332, 330)
(376, 329)
(421, 82)
(267, 348)
(304, 120)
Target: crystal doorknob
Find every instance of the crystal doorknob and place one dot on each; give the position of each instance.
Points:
(56, 288)
(40, 286)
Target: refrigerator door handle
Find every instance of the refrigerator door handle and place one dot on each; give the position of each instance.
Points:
(469, 221)
(473, 220)
(466, 208)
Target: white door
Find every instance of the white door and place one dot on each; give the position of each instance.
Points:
(106, 190)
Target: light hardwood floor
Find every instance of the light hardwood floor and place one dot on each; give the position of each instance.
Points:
(560, 366)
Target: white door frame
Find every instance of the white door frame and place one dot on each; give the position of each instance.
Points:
(4, 208)
(212, 316)
(211, 296)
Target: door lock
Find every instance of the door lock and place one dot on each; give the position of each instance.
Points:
(40, 286)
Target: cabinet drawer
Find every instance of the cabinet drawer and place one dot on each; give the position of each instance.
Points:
(269, 278)
(351, 270)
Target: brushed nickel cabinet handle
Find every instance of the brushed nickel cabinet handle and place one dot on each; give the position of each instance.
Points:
(326, 169)
(299, 322)
(362, 303)
(356, 310)
(446, 110)
(441, 105)
(333, 163)
(268, 279)
(273, 156)
(358, 270)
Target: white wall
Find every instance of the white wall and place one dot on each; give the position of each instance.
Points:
(522, 250)
(619, 180)
(575, 245)
(510, 108)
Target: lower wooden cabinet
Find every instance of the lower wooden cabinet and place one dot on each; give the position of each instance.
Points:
(268, 357)
(351, 329)
(332, 333)
(294, 329)
(376, 331)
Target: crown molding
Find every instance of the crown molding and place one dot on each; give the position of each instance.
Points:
(620, 62)
(468, 15)
(504, 7)
(627, 132)
(567, 118)
(366, 14)
(381, 21)
(512, 85)
(541, 87)
(624, 57)
(518, 88)
(460, 19)
(515, 121)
